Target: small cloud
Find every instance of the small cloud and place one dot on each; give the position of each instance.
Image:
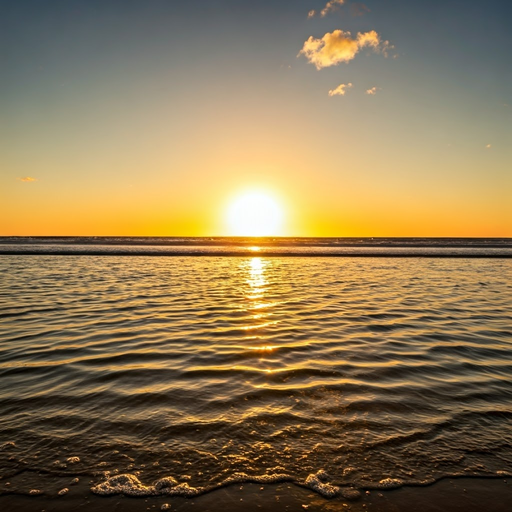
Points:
(311, 14)
(332, 5)
(338, 46)
(27, 179)
(488, 146)
(372, 91)
(340, 90)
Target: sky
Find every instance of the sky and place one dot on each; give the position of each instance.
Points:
(152, 117)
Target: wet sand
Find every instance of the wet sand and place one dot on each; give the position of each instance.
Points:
(464, 494)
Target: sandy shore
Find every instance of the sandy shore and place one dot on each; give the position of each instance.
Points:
(465, 494)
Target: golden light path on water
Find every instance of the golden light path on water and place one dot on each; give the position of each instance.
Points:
(257, 306)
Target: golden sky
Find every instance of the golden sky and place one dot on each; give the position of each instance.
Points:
(357, 119)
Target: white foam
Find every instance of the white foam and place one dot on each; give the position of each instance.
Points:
(317, 482)
(320, 482)
(272, 478)
(126, 484)
(73, 460)
(165, 483)
(63, 491)
(130, 485)
(390, 483)
(184, 490)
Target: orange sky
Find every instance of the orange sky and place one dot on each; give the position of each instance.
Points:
(152, 119)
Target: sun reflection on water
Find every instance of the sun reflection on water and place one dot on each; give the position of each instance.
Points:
(258, 306)
(256, 279)
(264, 348)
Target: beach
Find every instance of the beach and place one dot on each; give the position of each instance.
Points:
(255, 382)
(468, 495)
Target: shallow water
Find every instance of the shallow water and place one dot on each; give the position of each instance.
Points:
(336, 374)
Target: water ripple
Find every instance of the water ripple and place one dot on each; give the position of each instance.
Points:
(375, 370)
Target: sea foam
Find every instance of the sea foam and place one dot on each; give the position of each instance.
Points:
(130, 485)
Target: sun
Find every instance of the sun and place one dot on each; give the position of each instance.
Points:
(255, 214)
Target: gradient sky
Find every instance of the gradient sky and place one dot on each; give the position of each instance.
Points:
(150, 117)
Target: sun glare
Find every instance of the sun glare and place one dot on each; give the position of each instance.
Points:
(255, 214)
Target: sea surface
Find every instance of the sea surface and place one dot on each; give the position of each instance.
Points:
(144, 374)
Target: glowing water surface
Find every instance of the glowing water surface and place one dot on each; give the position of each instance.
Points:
(333, 373)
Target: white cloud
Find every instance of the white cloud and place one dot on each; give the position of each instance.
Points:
(27, 179)
(331, 6)
(338, 46)
(340, 90)
(372, 91)
(488, 146)
(356, 8)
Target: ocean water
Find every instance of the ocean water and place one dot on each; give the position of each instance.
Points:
(176, 376)
(240, 246)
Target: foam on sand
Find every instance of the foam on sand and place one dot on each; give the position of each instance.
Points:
(130, 485)
(319, 483)
(390, 483)
(242, 478)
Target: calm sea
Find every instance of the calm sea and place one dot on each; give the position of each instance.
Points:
(147, 374)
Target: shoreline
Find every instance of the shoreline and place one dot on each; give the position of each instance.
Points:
(468, 494)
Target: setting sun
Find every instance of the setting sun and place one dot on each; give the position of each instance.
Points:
(255, 214)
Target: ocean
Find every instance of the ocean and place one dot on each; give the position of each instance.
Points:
(140, 372)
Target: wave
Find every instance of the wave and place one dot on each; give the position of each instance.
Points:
(243, 246)
(277, 252)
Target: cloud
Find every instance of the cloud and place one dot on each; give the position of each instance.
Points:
(488, 146)
(356, 8)
(331, 5)
(27, 179)
(338, 46)
(340, 90)
(372, 91)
